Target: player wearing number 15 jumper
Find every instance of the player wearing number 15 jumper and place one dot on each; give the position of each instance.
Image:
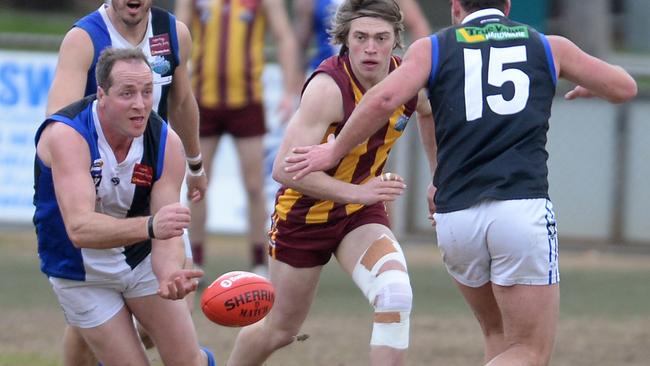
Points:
(491, 84)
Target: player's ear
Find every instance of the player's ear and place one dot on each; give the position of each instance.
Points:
(100, 93)
(456, 10)
(506, 9)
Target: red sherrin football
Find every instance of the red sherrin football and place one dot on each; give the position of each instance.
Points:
(238, 298)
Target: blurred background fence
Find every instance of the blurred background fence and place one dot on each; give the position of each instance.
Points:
(599, 153)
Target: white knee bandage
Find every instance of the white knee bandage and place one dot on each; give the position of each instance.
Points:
(389, 292)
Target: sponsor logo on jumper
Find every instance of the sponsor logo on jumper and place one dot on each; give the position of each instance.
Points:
(160, 45)
(142, 175)
(491, 32)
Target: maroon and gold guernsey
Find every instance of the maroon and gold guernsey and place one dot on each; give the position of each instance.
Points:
(227, 52)
(360, 165)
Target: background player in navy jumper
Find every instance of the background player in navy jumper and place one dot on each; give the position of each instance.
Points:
(166, 43)
(491, 83)
(108, 174)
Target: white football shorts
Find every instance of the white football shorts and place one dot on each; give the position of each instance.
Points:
(511, 242)
(88, 304)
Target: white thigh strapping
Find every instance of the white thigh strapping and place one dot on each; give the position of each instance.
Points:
(506, 242)
(389, 292)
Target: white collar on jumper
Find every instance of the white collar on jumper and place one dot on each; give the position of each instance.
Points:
(482, 13)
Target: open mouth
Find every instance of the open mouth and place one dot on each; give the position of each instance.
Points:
(133, 5)
(137, 120)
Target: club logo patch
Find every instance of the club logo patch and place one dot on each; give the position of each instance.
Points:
(401, 123)
(160, 65)
(96, 172)
(142, 175)
(247, 14)
(159, 45)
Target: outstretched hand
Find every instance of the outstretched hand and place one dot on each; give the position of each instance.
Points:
(307, 159)
(179, 284)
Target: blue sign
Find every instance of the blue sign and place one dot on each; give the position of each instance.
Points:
(25, 78)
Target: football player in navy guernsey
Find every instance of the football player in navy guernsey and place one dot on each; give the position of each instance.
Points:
(166, 42)
(108, 174)
(491, 84)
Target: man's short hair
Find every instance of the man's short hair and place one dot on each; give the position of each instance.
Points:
(107, 59)
(475, 5)
(350, 10)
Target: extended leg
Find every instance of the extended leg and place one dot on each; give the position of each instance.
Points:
(294, 293)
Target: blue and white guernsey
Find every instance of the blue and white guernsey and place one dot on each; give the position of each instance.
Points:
(122, 190)
(160, 45)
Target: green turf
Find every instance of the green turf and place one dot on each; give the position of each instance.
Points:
(23, 280)
(608, 293)
(13, 359)
(36, 22)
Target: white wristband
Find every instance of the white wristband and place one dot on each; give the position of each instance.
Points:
(197, 173)
(194, 160)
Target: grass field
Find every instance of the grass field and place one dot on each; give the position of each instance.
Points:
(605, 316)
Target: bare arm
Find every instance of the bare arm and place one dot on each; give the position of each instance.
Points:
(427, 128)
(416, 23)
(308, 126)
(182, 107)
(376, 106)
(303, 11)
(67, 153)
(320, 106)
(184, 113)
(287, 53)
(183, 11)
(70, 77)
(168, 255)
(594, 77)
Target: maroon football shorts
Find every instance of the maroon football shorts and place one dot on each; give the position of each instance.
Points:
(247, 121)
(311, 245)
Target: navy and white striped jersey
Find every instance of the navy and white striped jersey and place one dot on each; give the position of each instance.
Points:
(123, 189)
(491, 87)
(160, 45)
